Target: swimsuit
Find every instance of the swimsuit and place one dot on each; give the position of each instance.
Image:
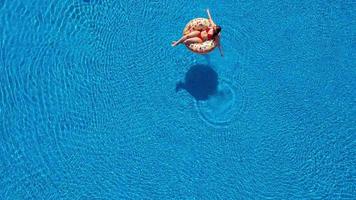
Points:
(209, 35)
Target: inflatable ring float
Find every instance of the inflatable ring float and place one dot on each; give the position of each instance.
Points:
(199, 24)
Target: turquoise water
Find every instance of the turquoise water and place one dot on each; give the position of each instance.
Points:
(96, 104)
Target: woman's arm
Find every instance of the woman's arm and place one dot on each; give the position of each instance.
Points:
(221, 51)
(219, 46)
(210, 19)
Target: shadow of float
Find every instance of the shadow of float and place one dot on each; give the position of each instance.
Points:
(200, 81)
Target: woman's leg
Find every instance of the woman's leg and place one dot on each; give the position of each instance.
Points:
(175, 43)
(193, 40)
(182, 39)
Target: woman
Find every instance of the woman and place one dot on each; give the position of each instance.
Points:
(212, 32)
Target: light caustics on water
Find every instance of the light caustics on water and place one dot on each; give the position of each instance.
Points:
(224, 106)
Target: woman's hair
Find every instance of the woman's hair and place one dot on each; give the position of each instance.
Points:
(217, 30)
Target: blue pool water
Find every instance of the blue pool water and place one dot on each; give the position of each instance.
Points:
(96, 104)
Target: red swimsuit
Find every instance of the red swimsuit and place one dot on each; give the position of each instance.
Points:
(209, 35)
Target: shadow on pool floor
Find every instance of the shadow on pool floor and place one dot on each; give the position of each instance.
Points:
(200, 81)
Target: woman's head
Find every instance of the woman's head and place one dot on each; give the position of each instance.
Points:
(217, 30)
